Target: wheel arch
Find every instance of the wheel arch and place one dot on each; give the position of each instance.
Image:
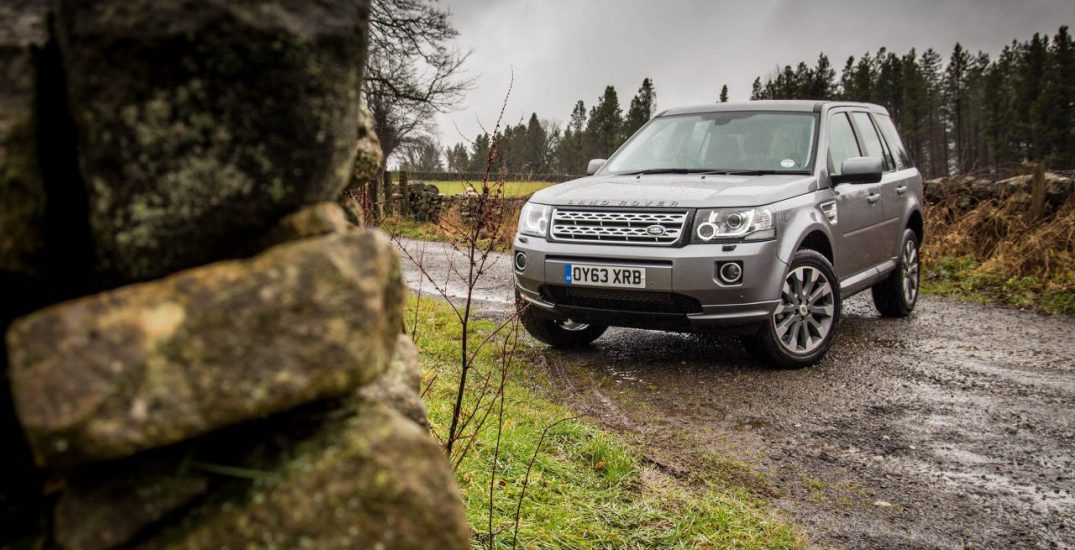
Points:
(818, 241)
(815, 236)
(916, 223)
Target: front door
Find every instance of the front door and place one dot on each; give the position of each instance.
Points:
(858, 206)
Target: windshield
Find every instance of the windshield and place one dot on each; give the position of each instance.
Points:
(731, 141)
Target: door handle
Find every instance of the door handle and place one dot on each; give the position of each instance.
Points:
(901, 189)
(873, 198)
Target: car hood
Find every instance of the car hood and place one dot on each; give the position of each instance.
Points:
(665, 190)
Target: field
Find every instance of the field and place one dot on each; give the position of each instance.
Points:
(511, 188)
(588, 488)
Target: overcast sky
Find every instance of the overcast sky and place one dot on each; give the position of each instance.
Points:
(565, 50)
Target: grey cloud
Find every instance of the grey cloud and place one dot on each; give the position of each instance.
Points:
(564, 50)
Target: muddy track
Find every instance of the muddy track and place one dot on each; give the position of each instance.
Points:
(954, 427)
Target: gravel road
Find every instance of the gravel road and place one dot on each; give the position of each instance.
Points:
(952, 428)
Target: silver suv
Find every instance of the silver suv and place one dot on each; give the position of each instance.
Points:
(755, 218)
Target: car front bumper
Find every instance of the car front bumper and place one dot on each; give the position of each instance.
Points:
(689, 271)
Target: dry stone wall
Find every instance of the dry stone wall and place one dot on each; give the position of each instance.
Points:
(968, 191)
(200, 350)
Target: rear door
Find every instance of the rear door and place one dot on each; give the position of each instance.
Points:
(886, 235)
(899, 182)
(858, 206)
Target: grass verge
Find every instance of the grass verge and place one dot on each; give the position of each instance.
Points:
(994, 251)
(588, 488)
(410, 229)
(449, 227)
(966, 278)
(432, 232)
(511, 188)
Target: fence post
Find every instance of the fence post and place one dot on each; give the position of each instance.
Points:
(373, 194)
(386, 198)
(404, 195)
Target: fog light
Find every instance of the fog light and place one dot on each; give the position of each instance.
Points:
(520, 261)
(731, 273)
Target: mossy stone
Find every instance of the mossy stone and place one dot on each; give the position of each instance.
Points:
(375, 480)
(398, 387)
(150, 364)
(23, 29)
(202, 123)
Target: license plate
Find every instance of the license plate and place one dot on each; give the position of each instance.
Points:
(604, 275)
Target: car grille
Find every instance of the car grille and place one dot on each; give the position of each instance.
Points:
(602, 226)
(621, 300)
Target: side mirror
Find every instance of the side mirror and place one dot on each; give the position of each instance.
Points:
(594, 166)
(859, 170)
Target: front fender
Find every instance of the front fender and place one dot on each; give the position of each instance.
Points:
(802, 216)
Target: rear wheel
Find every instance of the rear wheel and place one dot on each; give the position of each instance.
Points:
(559, 334)
(897, 295)
(801, 329)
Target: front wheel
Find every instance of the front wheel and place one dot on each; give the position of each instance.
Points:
(897, 295)
(560, 334)
(801, 329)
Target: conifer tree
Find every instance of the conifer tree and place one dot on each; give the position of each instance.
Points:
(604, 130)
(643, 107)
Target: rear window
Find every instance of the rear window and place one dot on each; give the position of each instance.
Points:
(888, 130)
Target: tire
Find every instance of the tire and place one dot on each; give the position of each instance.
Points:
(897, 295)
(559, 334)
(803, 325)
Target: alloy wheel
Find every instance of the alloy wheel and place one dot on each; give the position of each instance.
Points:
(806, 312)
(909, 261)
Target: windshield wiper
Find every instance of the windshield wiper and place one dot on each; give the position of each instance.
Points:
(659, 171)
(753, 172)
(730, 172)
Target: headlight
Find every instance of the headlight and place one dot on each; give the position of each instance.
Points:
(534, 219)
(751, 224)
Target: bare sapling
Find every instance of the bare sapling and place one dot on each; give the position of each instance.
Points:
(471, 241)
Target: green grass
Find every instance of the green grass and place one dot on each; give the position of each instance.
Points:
(410, 229)
(511, 188)
(588, 488)
(963, 277)
(427, 231)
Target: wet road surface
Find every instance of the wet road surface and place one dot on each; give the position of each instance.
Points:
(952, 428)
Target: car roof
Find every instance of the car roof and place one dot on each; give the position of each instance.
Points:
(793, 105)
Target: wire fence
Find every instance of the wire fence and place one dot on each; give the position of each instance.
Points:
(479, 176)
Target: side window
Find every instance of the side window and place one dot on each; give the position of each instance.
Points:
(842, 144)
(870, 140)
(888, 130)
(890, 163)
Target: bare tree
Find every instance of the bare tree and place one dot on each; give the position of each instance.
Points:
(421, 154)
(412, 72)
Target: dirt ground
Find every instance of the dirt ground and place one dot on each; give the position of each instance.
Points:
(952, 428)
